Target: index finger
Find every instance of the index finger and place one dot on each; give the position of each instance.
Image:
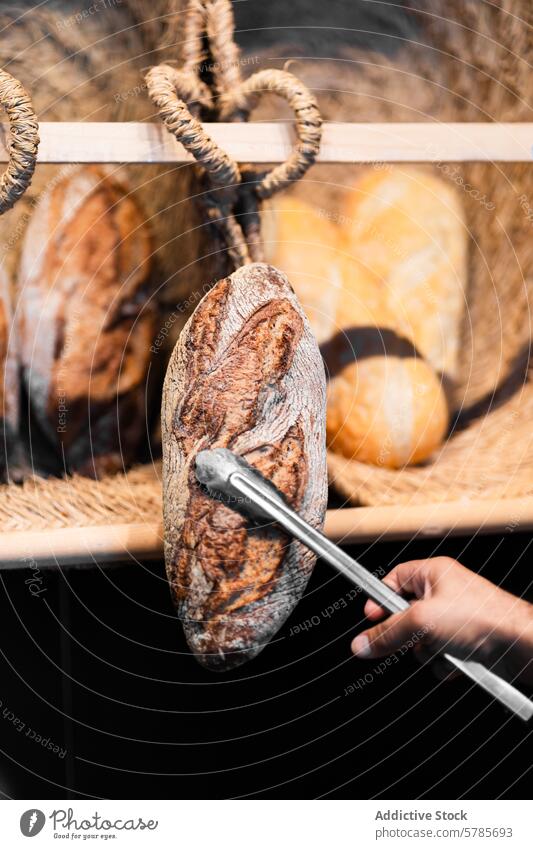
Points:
(409, 578)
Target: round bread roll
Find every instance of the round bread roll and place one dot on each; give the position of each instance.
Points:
(386, 405)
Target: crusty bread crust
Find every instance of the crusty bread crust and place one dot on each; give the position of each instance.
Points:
(86, 322)
(246, 374)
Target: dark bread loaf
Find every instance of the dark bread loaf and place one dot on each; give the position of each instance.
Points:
(92, 56)
(86, 320)
(9, 385)
(246, 374)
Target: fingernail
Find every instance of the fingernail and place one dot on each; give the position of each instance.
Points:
(361, 646)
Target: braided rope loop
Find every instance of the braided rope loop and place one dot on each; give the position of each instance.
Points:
(178, 94)
(308, 124)
(226, 68)
(194, 53)
(169, 90)
(23, 141)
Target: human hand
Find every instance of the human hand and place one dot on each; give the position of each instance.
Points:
(454, 610)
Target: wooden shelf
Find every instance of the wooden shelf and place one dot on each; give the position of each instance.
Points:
(268, 142)
(88, 546)
(265, 143)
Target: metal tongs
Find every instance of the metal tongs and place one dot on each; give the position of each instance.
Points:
(231, 479)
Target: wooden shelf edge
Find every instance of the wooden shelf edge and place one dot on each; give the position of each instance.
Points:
(95, 545)
(268, 142)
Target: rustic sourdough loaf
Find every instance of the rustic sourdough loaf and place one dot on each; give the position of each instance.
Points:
(246, 374)
(385, 404)
(85, 61)
(86, 320)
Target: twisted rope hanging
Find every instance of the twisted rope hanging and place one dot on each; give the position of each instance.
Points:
(23, 141)
(179, 93)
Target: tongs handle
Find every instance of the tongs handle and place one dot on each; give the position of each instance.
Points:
(272, 505)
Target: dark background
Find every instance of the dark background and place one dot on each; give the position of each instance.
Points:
(116, 686)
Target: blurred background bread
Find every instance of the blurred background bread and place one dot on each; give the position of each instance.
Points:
(299, 239)
(386, 404)
(87, 64)
(87, 321)
(408, 227)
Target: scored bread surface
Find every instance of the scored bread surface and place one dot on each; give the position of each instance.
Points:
(246, 374)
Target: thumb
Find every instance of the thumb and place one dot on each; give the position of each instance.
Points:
(389, 636)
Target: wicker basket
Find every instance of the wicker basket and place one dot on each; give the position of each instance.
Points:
(459, 70)
(468, 65)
